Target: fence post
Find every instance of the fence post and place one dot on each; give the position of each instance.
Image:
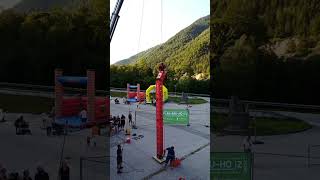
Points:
(309, 156)
(81, 175)
(188, 116)
(252, 164)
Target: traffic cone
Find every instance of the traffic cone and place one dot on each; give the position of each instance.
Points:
(128, 139)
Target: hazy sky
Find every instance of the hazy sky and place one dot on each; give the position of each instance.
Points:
(177, 14)
(8, 3)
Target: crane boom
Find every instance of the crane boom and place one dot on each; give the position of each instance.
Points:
(115, 17)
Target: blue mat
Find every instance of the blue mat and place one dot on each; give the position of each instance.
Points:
(132, 100)
(73, 121)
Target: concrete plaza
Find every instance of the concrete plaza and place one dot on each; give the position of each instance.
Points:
(192, 143)
(281, 156)
(20, 152)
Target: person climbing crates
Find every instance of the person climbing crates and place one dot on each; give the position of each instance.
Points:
(174, 161)
(170, 155)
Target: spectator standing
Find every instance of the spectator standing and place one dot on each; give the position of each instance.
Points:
(88, 141)
(123, 122)
(247, 144)
(119, 158)
(119, 122)
(3, 173)
(83, 115)
(26, 175)
(48, 125)
(2, 115)
(64, 171)
(41, 174)
(130, 118)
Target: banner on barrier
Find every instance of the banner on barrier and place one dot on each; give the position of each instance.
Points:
(231, 166)
(176, 116)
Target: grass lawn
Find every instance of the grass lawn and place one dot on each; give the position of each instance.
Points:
(118, 94)
(190, 100)
(171, 98)
(25, 104)
(264, 126)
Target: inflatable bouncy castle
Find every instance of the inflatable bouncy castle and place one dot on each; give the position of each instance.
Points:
(136, 95)
(67, 108)
(151, 91)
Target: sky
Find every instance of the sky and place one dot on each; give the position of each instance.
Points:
(8, 3)
(176, 15)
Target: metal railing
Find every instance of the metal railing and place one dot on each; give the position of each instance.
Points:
(170, 93)
(266, 104)
(310, 147)
(221, 102)
(43, 88)
(93, 165)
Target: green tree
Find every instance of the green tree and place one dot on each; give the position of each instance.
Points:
(291, 46)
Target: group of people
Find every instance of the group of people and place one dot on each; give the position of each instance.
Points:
(22, 126)
(41, 174)
(124, 101)
(120, 122)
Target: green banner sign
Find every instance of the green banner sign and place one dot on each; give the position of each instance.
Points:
(231, 166)
(176, 116)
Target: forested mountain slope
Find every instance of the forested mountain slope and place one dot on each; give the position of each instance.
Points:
(266, 49)
(186, 53)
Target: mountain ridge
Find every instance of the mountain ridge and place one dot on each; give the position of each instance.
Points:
(131, 58)
(186, 53)
(28, 5)
(5, 4)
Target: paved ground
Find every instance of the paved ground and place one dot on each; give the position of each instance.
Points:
(282, 156)
(192, 167)
(19, 152)
(138, 161)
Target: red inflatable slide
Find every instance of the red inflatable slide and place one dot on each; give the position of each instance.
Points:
(73, 105)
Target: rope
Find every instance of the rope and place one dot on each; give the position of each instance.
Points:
(161, 21)
(141, 23)
(62, 152)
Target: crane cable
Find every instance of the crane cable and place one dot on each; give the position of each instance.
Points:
(141, 23)
(161, 20)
